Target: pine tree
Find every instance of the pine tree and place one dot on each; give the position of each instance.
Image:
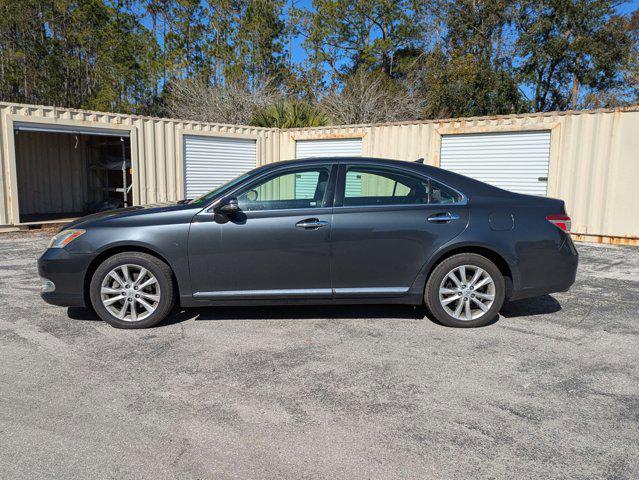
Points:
(571, 48)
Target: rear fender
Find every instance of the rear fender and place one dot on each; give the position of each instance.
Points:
(455, 247)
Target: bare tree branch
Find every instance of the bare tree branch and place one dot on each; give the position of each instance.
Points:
(229, 103)
(369, 97)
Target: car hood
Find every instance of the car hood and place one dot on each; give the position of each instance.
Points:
(135, 211)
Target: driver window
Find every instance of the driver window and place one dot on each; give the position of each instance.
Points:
(302, 188)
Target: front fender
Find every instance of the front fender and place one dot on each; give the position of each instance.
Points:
(169, 242)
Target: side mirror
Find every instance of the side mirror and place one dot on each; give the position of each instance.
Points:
(228, 206)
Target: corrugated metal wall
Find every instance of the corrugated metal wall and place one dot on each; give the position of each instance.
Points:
(160, 153)
(402, 141)
(594, 159)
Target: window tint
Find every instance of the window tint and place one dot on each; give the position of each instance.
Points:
(303, 188)
(365, 186)
(440, 194)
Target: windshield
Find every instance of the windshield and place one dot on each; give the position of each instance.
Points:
(207, 197)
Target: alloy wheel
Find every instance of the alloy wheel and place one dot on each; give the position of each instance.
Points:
(467, 292)
(130, 292)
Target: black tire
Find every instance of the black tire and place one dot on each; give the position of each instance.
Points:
(160, 270)
(431, 292)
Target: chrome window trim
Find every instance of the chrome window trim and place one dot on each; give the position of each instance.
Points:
(258, 294)
(405, 205)
(208, 209)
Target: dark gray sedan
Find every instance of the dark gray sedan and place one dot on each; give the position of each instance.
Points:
(338, 230)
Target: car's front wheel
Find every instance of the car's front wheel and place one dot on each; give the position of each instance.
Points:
(132, 290)
(465, 290)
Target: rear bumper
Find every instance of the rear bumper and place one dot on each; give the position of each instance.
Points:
(539, 291)
(67, 272)
(553, 270)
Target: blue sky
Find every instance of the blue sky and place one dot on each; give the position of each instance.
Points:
(299, 55)
(629, 7)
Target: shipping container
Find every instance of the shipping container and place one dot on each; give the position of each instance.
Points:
(57, 163)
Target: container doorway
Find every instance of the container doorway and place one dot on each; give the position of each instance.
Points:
(64, 175)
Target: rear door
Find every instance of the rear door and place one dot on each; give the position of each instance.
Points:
(387, 223)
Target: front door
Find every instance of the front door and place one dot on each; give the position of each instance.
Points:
(277, 246)
(387, 223)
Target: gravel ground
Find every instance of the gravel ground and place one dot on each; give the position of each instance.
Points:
(551, 390)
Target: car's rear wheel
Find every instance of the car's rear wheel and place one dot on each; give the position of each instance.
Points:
(132, 290)
(465, 290)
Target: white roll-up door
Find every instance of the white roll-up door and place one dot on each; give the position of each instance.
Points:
(213, 161)
(334, 147)
(515, 161)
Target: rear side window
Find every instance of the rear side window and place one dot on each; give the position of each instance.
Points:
(368, 186)
(440, 194)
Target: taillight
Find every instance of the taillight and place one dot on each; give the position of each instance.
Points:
(560, 221)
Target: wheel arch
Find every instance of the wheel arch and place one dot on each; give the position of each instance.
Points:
(506, 267)
(124, 248)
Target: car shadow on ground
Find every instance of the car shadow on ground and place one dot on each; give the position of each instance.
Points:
(303, 312)
(277, 312)
(520, 308)
(530, 306)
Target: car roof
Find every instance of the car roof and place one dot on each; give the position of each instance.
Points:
(344, 159)
(418, 166)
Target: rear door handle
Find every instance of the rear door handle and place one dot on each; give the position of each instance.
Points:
(443, 217)
(311, 224)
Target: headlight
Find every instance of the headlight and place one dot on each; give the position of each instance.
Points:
(65, 237)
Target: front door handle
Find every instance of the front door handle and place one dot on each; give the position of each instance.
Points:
(311, 224)
(443, 217)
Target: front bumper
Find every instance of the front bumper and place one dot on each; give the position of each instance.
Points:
(67, 272)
